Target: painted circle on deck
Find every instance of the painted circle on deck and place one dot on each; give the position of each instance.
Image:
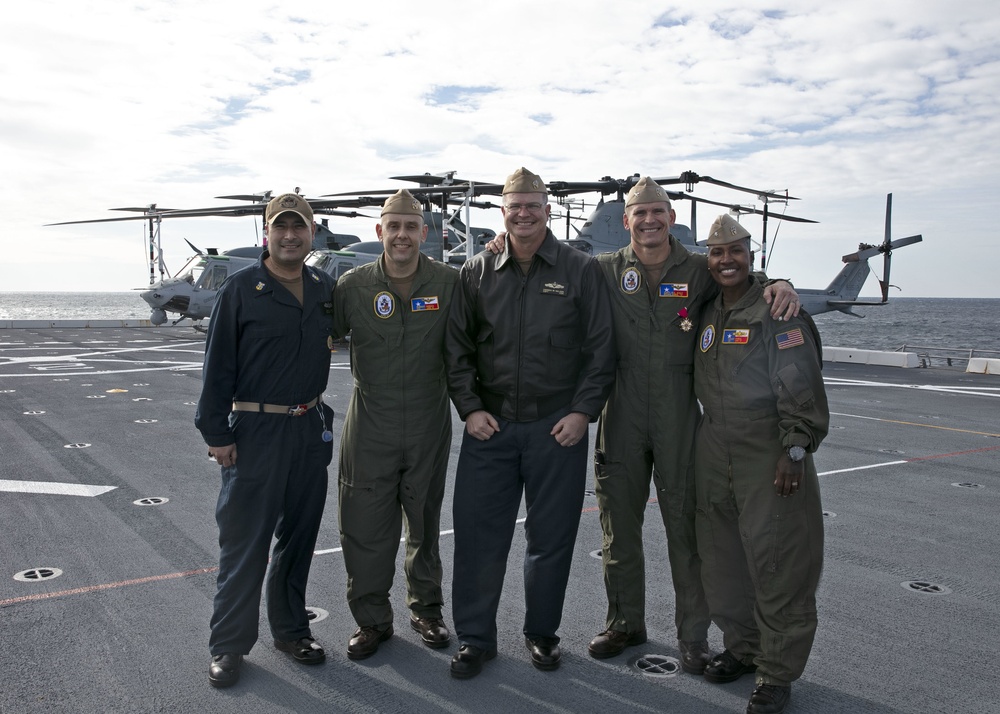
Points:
(76, 446)
(656, 665)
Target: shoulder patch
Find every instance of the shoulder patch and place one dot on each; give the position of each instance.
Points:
(792, 338)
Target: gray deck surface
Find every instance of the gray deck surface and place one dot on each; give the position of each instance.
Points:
(124, 628)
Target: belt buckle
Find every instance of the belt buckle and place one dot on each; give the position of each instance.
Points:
(298, 410)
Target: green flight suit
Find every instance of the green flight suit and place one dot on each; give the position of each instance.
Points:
(761, 387)
(396, 438)
(647, 427)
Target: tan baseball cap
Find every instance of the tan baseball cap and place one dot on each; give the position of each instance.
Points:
(288, 202)
(646, 191)
(402, 202)
(523, 181)
(726, 229)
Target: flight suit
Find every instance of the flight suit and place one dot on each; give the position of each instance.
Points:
(648, 425)
(266, 348)
(761, 387)
(396, 439)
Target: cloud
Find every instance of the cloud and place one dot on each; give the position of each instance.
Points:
(178, 102)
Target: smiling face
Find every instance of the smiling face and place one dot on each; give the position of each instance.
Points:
(526, 216)
(649, 224)
(729, 265)
(289, 239)
(401, 235)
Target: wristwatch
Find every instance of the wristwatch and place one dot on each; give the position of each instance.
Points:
(796, 453)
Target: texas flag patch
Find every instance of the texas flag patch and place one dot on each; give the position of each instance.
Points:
(735, 337)
(424, 303)
(674, 290)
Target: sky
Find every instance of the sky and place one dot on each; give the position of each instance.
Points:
(114, 104)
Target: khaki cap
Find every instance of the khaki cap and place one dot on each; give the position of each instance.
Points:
(523, 181)
(402, 202)
(726, 230)
(646, 191)
(288, 202)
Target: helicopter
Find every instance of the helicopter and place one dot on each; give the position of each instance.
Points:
(190, 293)
(604, 231)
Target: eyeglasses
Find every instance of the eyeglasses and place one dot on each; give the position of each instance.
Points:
(531, 207)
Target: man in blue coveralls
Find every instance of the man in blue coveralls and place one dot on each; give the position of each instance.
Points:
(267, 360)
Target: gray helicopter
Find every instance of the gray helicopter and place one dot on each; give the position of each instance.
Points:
(190, 292)
(604, 231)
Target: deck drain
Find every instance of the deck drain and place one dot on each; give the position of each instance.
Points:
(829, 514)
(146, 421)
(836, 427)
(34, 413)
(141, 384)
(922, 586)
(590, 492)
(890, 451)
(60, 379)
(7, 391)
(76, 446)
(95, 396)
(655, 665)
(965, 484)
(151, 501)
(596, 554)
(34, 575)
(316, 614)
(190, 404)
(89, 384)
(142, 399)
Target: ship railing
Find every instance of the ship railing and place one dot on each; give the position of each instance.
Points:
(950, 356)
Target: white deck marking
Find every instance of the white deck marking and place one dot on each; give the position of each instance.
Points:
(977, 391)
(50, 487)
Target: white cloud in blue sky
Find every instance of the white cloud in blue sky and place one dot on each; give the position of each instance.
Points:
(105, 105)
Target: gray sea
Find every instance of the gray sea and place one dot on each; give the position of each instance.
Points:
(956, 323)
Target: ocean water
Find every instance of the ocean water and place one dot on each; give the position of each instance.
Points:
(953, 323)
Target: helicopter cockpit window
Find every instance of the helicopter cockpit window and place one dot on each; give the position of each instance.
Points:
(212, 278)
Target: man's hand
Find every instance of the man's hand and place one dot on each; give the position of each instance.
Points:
(495, 246)
(225, 455)
(571, 428)
(481, 425)
(783, 299)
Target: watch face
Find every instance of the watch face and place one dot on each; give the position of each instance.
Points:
(796, 453)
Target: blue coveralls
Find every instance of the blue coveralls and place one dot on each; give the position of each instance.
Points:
(264, 347)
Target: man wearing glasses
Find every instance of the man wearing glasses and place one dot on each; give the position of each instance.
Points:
(531, 356)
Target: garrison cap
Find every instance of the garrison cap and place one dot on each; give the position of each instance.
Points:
(646, 191)
(402, 202)
(726, 230)
(288, 202)
(523, 181)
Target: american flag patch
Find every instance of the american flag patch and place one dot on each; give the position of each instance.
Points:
(792, 338)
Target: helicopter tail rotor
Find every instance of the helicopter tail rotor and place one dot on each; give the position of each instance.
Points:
(866, 251)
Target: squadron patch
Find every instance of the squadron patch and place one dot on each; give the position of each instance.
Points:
(792, 338)
(631, 281)
(424, 303)
(553, 289)
(707, 338)
(735, 337)
(259, 286)
(674, 290)
(385, 305)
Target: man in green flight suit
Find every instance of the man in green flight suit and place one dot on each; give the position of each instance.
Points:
(648, 425)
(397, 431)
